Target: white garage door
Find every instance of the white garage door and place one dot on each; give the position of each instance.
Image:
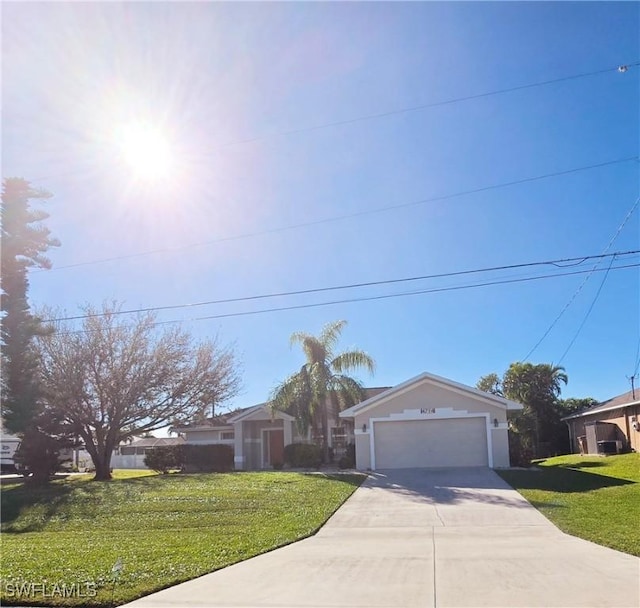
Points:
(456, 442)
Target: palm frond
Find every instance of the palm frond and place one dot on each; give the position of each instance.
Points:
(313, 348)
(295, 396)
(347, 391)
(330, 335)
(352, 360)
(284, 395)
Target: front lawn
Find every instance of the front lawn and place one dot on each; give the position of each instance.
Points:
(595, 498)
(164, 529)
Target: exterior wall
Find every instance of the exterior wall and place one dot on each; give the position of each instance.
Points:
(251, 454)
(428, 395)
(363, 451)
(633, 412)
(500, 446)
(252, 431)
(129, 461)
(247, 440)
(622, 418)
(209, 436)
(429, 401)
(297, 436)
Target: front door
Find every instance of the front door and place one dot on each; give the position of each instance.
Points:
(274, 447)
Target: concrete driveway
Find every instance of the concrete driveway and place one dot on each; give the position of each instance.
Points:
(417, 537)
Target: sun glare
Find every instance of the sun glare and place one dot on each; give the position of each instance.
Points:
(145, 150)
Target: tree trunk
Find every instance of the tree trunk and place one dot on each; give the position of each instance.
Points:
(103, 468)
(103, 462)
(325, 433)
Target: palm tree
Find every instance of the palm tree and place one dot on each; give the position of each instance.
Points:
(538, 388)
(322, 381)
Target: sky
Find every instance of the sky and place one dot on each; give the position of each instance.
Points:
(253, 195)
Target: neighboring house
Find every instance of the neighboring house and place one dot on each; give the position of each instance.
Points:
(131, 455)
(429, 421)
(609, 427)
(258, 436)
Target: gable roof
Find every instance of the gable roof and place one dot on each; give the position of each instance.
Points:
(249, 411)
(431, 379)
(614, 403)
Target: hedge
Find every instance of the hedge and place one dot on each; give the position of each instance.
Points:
(207, 458)
(163, 458)
(303, 455)
(190, 458)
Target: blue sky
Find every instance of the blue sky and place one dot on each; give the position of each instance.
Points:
(212, 76)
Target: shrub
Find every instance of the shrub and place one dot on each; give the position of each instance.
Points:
(348, 461)
(190, 458)
(520, 454)
(303, 455)
(162, 458)
(207, 458)
(38, 454)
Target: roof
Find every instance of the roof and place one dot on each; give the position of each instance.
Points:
(368, 392)
(213, 422)
(245, 413)
(375, 391)
(154, 442)
(433, 379)
(228, 418)
(614, 403)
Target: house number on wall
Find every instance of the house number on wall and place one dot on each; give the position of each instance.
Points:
(428, 410)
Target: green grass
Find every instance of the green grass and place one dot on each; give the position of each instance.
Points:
(592, 497)
(165, 529)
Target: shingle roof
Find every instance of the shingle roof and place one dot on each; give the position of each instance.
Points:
(153, 442)
(225, 419)
(214, 421)
(611, 404)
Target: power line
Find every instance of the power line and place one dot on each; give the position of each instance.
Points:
(560, 263)
(373, 298)
(345, 216)
(622, 68)
(586, 316)
(435, 104)
(637, 364)
(580, 287)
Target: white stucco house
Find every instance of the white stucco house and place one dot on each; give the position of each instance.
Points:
(427, 421)
(258, 436)
(430, 421)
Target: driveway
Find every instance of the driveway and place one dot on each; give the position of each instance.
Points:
(418, 537)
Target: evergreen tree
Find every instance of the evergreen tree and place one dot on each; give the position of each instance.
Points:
(24, 241)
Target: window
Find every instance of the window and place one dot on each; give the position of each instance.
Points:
(227, 435)
(339, 438)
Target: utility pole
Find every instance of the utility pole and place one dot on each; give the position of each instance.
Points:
(632, 379)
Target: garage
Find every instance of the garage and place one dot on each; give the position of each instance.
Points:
(431, 443)
(430, 421)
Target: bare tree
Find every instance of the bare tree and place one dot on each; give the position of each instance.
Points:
(115, 378)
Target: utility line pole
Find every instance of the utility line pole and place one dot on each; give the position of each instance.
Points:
(632, 379)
